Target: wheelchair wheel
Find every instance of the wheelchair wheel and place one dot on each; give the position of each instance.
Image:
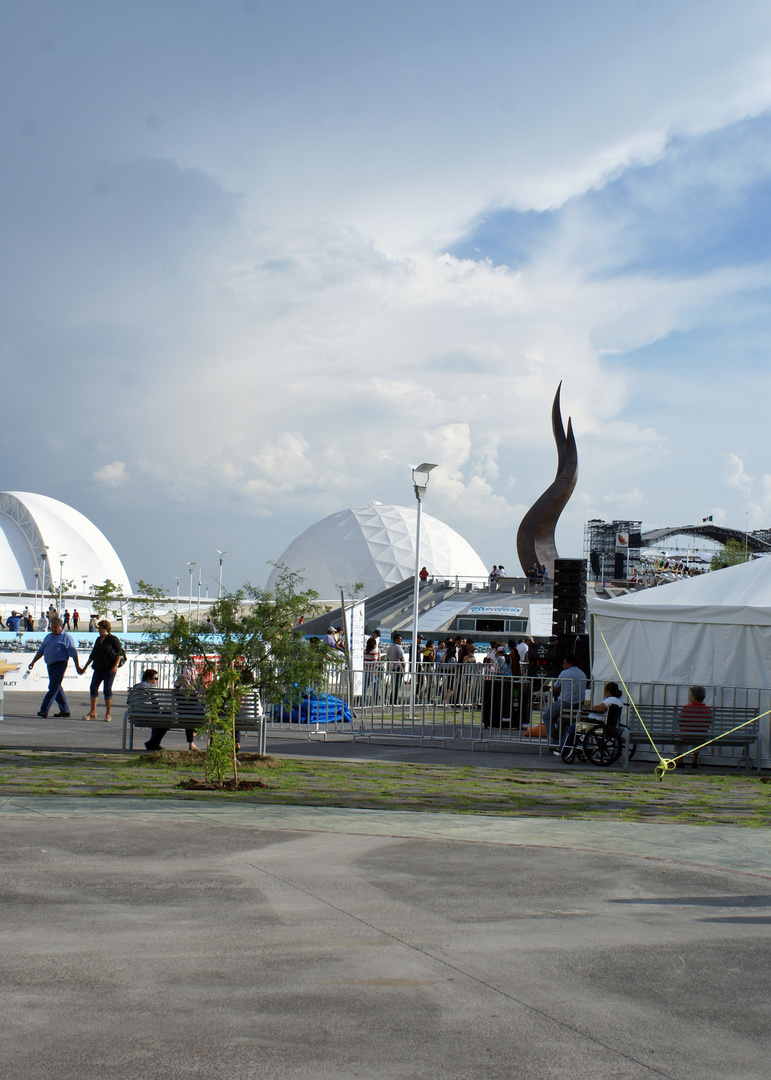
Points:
(573, 753)
(602, 747)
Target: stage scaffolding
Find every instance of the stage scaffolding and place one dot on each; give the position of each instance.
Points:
(607, 559)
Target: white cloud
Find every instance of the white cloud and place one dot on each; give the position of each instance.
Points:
(112, 474)
(735, 474)
(258, 282)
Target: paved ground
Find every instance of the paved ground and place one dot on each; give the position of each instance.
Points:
(145, 939)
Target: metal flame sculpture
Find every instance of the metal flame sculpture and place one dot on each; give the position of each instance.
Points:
(535, 537)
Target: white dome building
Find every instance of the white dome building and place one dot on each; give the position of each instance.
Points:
(36, 531)
(375, 544)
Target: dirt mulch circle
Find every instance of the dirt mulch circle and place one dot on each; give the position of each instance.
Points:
(230, 785)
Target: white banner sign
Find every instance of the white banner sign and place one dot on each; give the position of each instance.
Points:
(354, 623)
(37, 679)
(483, 609)
(540, 620)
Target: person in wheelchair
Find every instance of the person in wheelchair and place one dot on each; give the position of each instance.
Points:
(607, 712)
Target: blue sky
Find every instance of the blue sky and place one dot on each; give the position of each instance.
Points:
(257, 256)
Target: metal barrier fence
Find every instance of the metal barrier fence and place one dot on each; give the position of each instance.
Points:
(458, 707)
(476, 710)
(471, 709)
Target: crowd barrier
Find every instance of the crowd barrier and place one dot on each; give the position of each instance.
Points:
(471, 709)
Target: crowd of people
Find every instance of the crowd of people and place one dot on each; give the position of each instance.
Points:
(19, 622)
(444, 669)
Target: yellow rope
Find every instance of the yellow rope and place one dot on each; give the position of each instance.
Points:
(666, 765)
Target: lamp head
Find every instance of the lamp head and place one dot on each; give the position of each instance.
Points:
(420, 475)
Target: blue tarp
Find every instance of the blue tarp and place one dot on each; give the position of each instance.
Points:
(313, 709)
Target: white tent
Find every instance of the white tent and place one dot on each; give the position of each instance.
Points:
(714, 629)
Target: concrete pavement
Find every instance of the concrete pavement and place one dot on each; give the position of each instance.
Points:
(161, 940)
(165, 938)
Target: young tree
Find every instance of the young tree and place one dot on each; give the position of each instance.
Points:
(67, 585)
(104, 597)
(731, 553)
(257, 646)
(144, 609)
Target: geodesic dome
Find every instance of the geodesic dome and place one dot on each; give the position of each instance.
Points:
(375, 544)
(35, 531)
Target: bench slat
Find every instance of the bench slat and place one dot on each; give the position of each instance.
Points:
(663, 726)
(172, 709)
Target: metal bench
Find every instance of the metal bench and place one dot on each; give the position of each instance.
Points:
(164, 708)
(663, 724)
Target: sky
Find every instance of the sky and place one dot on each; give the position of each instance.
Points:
(257, 256)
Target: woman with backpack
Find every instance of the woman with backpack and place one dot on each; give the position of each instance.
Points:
(106, 657)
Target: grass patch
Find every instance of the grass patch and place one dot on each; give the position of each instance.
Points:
(738, 799)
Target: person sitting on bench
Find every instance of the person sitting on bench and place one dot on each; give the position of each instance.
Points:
(695, 719)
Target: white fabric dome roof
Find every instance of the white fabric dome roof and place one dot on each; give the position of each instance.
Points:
(30, 523)
(375, 544)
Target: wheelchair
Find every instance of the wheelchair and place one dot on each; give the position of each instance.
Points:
(594, 741)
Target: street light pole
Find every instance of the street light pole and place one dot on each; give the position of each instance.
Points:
(198, 608)
(43, 567)
(37, 583)
(190, 566)
(219, 592)
(420, 476)
(61, 579)
(177, 580)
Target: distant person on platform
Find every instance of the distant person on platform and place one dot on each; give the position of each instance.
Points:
(42, 623)
(56, 649)
(423, 575)
(567, 691)
(92, 625)
(695, 720)
(13, 622)
(75, 619)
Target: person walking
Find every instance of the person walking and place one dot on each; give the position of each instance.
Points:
(75, 619)
(105, 658)
(56, 649)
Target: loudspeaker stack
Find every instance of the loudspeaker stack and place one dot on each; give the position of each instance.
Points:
(569, 616)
